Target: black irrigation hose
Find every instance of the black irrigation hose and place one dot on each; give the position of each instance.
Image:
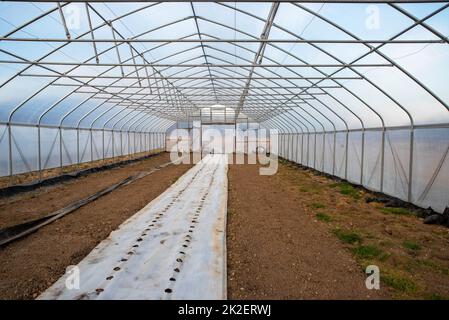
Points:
(13, 190)
(17, 231)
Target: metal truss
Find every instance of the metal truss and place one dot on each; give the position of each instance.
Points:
(149, 92)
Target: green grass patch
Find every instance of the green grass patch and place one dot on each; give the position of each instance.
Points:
(399, 283)
(318, 205)
(396, 211)
(348, 236)
(348, 190)
(411, 245)
(323, 217)
(367, 252)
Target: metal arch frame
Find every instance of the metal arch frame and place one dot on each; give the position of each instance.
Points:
(347, 108)
(294, 130)
(286, 128)
(75, 91)
(411, 119)
(240, 10)
(18, 107)
(94, 121)
(302, 139)
(318, 112)
(11, 113)
(241, 58)
(259, 54)
(372, 49)
(420, 84)
(261, 19)
(202, 48)
(138, 54)
(376, 49)
(306, 1)
(381, 170)
(42, 89)
(103, 130)
(353, 113)
(175, 99)
(63, 45)
(318, 71)
(280, 87)
(78, 124)
(167, 40)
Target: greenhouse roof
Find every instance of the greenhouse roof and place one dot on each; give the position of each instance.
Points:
(306, 66)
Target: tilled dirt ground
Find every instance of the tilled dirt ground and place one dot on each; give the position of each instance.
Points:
(33, 204)
(293, 235)
(299, 235)
(277, 251)
(30, 265)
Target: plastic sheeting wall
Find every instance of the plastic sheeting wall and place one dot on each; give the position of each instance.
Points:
(357, 156)
(63, 147)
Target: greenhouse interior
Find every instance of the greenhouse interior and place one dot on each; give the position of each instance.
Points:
(247, 150)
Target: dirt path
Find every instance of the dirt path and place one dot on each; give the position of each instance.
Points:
(298, 234)
(276, 250)
(32, 264)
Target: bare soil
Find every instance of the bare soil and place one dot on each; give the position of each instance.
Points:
(44, 200)
(32, 264)
(299, 235)
(293, 235)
